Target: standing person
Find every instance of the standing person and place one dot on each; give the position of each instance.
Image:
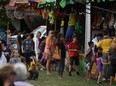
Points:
(27, 48)
(74, 55)
(105, 43)
(3, 59)
(112, 58)
(61, 62)
(99, 65)
(37, 44)
(49, 48)
(88, 56)
(6, 50)
(7, 75)
(15, 57)
(19, 43)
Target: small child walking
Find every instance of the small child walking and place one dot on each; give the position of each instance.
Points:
(88, 57)
(99, 67)
(15, 57)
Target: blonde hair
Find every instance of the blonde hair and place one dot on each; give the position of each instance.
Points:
(113, 44)
(38, 34)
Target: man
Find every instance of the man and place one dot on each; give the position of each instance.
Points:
(27, 48)
(105, 43)
(74, 55)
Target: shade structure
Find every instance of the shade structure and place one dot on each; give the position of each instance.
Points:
(12, 2)
(38, 0)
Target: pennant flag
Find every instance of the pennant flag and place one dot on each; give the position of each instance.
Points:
(63, 3)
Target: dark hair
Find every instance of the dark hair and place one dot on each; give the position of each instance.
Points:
(99, 54)
(90, 43)
(59, 36)
(99, 35)
(4, 42)
(32, 35)
(105, 32)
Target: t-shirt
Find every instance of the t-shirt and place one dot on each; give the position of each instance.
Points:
(89, 55)
(27, 44)
(7, 54)
(3, 59)
(15, 60)
(112, 53)
(73, 46)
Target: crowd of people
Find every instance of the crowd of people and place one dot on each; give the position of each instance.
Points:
(47, 54)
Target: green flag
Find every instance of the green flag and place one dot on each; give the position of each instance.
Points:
(63, 3)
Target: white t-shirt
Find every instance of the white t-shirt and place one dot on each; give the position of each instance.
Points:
(3, 59)
(36, 45)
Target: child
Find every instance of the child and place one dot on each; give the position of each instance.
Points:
(88, 56)
(15, 57)
(33, 69)
(99, 66)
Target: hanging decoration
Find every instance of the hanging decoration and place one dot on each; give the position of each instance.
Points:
(51, 17)
(78, 28)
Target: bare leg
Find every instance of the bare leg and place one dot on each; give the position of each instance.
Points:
(99, 77)
(111, 79)
(48, 66)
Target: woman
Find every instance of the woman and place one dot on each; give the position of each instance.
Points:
(112, 58)
(37, 44)
(49, 48)
(7, 75)
(3, 59)
(61, 62)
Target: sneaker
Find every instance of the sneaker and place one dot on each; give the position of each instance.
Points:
(103, 79)
(77, 73)
(70, 74)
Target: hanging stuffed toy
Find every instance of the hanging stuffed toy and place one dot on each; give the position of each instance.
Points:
(62, 27)
(51, 17)
(71, 24)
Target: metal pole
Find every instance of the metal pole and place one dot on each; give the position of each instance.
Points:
(87, 26)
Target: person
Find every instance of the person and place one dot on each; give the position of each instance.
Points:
(74, 55)
(6, 50)
(15, 57)
(97, 38)
(88, 56)
(99, 65)
(37, 44)
(61, 62)
(33, 69)
(49, 48)
(27, 48)
(105, 43)
(7, 75)
(112, 59)
(19, 43)
(21, 75)
(3, 59)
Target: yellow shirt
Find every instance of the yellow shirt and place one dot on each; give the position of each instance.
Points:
(33, 66)
(72, 19)
(105, 43)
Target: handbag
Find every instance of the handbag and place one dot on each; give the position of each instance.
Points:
(57, 54)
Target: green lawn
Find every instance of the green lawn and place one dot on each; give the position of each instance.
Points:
(74, 80)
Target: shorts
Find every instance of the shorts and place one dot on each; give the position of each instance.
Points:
(113, 71)
(74, 59)
(88, 66)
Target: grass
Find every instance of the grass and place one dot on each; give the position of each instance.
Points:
(74, 80)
